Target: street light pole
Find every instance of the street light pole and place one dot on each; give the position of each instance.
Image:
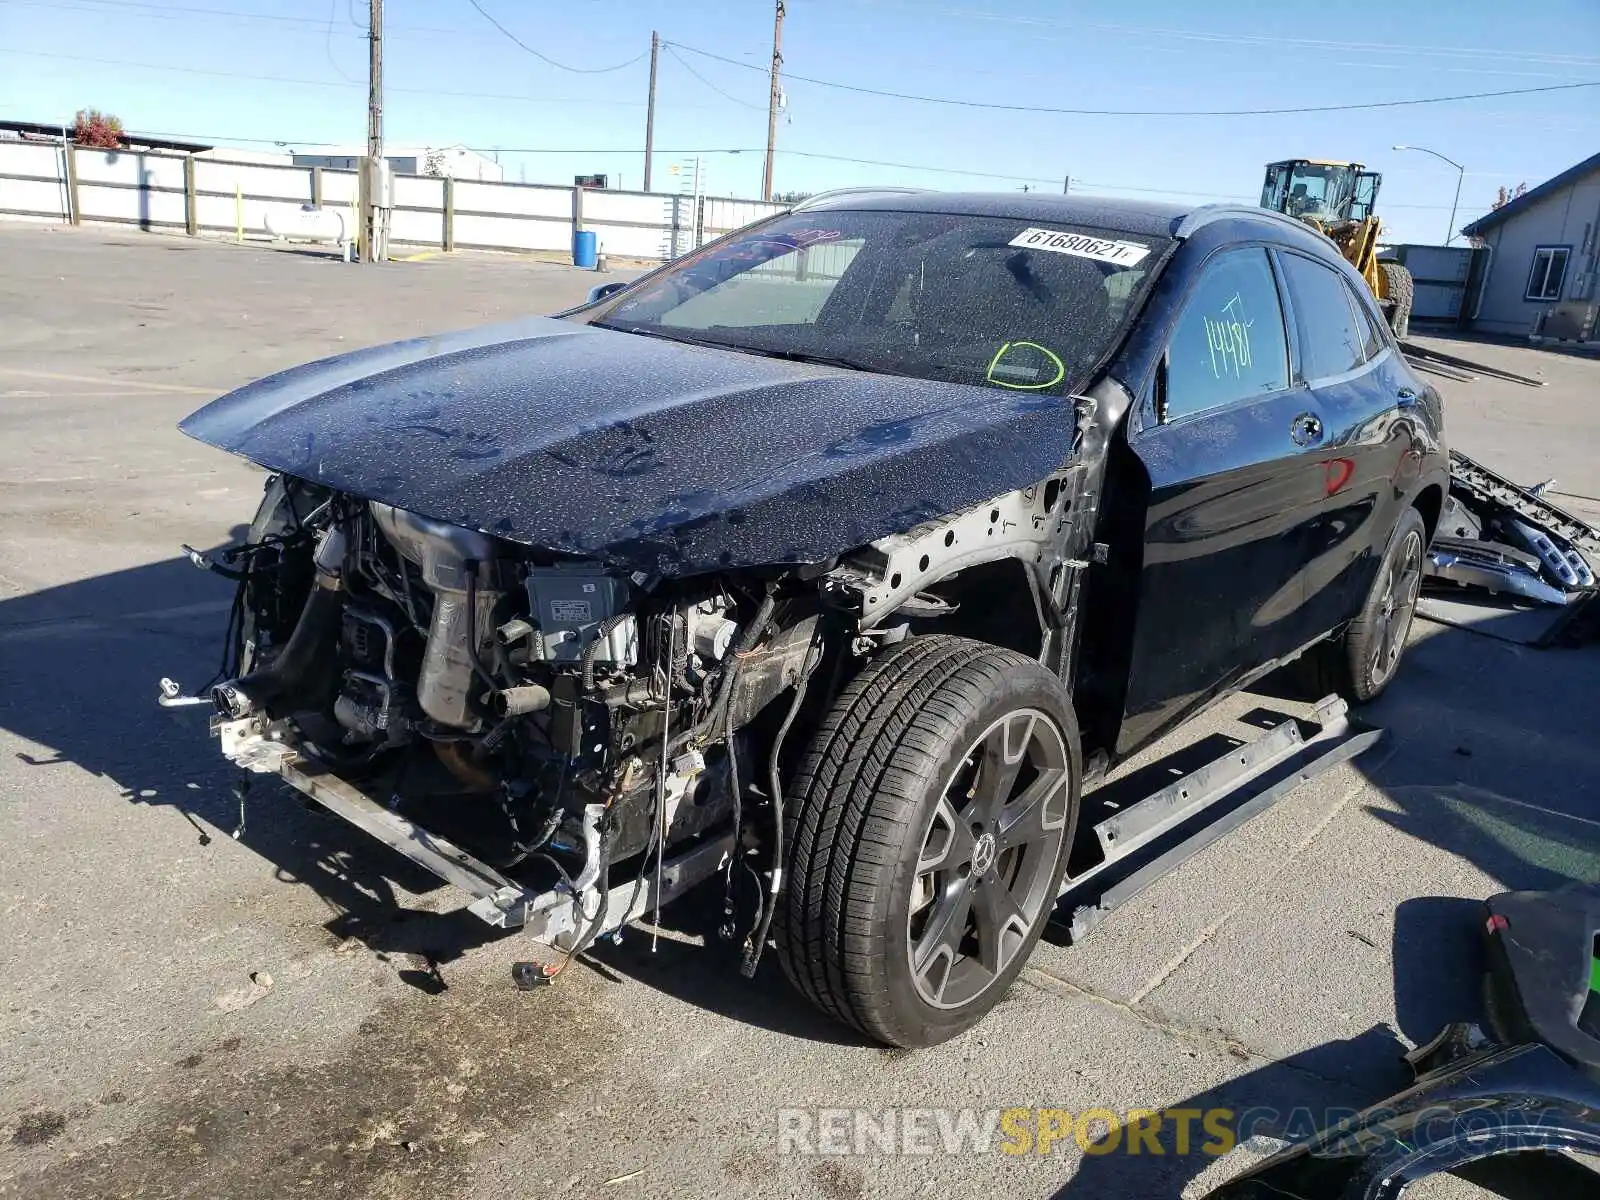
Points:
(1461, 173)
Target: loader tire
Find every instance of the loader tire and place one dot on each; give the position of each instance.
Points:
(928, 831)
(1402, 291)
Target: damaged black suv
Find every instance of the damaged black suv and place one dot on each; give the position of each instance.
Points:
(837, 556)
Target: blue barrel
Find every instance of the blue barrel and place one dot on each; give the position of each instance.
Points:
(585, 249)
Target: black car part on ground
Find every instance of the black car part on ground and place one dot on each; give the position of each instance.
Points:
(1507, 1113)
(1497, 537)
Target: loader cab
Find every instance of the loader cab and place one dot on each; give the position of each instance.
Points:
(1325, 192)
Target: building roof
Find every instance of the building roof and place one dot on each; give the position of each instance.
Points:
(131, 141)
(1512, 207)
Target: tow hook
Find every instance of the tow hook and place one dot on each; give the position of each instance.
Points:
(172, 696)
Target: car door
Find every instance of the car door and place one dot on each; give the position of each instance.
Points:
(1369, 455)
(1229, 447)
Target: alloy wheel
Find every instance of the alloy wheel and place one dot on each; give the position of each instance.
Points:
(988, 859)
(1395, 609)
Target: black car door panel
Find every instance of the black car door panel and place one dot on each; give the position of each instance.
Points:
(1357, 379)
(1236, 475)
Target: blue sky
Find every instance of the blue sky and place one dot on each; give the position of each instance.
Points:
(295, 71)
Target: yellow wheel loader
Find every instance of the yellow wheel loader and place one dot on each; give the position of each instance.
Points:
(1338, 198)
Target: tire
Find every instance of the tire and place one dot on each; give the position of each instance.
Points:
(1366, 659)
(881, 859)
(1402, 290)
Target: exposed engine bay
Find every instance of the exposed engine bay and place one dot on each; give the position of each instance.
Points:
(556, 726)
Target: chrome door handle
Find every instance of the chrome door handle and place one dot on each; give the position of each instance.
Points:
(1306, 429)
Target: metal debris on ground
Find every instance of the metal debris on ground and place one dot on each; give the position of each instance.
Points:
(1529, 556)
(1452, 366)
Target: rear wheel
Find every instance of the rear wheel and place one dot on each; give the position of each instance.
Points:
(1366, 660)
(1402, 290)
(929, 832)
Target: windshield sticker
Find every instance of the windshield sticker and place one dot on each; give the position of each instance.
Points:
(1026, 362)
(1228, 336)
(1081, 245)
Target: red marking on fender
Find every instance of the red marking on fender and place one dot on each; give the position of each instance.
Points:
(1338, 471)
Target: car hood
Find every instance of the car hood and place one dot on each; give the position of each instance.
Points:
(650, 454)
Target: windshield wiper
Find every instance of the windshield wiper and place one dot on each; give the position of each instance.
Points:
(821, 360)
(645, 331)
(802, 356)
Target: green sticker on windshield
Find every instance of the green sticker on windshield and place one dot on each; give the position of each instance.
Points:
(1023, 367)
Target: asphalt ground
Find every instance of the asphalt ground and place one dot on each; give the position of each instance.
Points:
(295, 1010)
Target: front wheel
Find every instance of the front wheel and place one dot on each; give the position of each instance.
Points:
(931, 822)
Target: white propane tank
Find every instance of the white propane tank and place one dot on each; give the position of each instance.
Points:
(307, 223)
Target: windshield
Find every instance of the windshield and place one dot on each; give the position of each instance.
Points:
(1321, 192)
(1008, 303)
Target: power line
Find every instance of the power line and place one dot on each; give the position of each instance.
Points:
(1320, 44)
(684, 63)
(1115, 112)
(175, 12)
(545, 58)
(327, 42)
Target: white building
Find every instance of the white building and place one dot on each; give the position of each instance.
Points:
(1544, 259)
(456, 162)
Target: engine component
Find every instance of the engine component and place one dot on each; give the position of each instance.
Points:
(511, 702)
(454, 562)
(365, 707)
(711, 633)
(569, 603)
(292, 671)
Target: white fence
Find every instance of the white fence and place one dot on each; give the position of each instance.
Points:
(157, 190)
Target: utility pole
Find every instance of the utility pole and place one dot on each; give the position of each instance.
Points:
(772, 100)
(372, 232)
(650, 109)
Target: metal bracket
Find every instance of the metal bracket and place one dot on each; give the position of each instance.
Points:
(1154, 836)
(1028, 524)
(551, 916)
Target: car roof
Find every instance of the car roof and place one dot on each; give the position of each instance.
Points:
(1147, 218)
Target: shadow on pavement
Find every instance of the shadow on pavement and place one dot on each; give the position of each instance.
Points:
(1438, 969)
(695, 964)
(1495, 761)
(79, 666)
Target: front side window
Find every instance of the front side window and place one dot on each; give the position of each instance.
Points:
(1024, 305)
(1549, 272)
(1229, 344)
(1331, 343)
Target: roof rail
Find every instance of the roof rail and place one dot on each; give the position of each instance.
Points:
(1207, 213)
(810, 201)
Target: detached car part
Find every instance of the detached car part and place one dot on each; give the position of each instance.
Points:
(1503, 538)
(1508, 1112)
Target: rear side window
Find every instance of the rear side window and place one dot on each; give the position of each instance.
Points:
(1375, 341)
(1331, 342)
(1229, 344)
